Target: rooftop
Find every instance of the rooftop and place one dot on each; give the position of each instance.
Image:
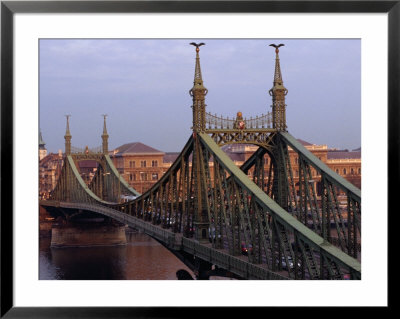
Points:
(304, 143)
(135, 148)
(170, 157)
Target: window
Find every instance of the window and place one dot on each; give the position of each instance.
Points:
(131, 164)
(143, 176)
(359, 171)
(266, 161)
(154, 163)
(142, 163)
(337, 171)
(120, 162)
(131, 177)
(154, 176)
(344, 171)
(351, 171)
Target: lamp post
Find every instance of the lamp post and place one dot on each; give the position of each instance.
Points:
(119, 187)
(102, 185)
(311, 181)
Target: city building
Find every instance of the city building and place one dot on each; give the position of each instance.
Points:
(42, 148)
(139, 164)
(49, 171)
(347, 164)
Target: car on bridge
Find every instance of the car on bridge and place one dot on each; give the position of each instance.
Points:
(291, 263)
(246, 249)
(211, 234)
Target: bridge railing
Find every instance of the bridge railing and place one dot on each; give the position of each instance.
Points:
(79, 150)
(214, 122)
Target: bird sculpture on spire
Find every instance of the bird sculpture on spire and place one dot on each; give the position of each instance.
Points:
(197, 45)
(276, 46)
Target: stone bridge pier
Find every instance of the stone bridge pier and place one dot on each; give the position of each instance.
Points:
(78, 228)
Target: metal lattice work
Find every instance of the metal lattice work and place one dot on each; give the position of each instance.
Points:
(238, 216)
(107, 186)
(71, 187)
(321, 199)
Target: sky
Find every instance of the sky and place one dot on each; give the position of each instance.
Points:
(143, 87)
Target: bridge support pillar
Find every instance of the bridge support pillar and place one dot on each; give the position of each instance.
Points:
(202, 269)
(96, 234)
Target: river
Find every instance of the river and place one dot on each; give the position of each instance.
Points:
(142, 258)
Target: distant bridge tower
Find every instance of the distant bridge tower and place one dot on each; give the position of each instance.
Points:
(200, 205)
(67, 138)
(278, 93)
(104, 136)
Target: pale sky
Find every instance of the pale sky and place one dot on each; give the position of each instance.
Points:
(143, 86)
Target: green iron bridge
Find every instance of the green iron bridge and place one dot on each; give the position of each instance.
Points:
(208, 211)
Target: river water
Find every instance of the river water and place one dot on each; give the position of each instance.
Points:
(140, 259)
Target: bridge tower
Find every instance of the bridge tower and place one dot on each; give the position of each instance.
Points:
(280, 151)
(200, 205)
(67, 138)
(278, 93)
(198, 92)
(104, 137)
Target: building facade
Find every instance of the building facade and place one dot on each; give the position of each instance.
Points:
(139, 164)
(49, 172)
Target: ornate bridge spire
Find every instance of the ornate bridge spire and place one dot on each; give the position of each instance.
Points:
(104, 136)
(278, 93)
(67, 137)
(198, 92)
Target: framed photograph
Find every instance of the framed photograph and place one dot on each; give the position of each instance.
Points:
(39, 39)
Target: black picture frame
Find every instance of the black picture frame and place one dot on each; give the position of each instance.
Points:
(9, 8)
